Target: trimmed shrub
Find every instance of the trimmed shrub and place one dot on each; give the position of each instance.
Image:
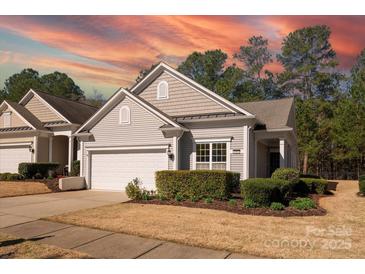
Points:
(30, 170)
(362, 184)
(75, 168)
(10, 176)
(161, 197)
(179, 197)
(249, 203)
(311, 176)
(303, 203)
(194, 199)
(232, 202)
(289, 174)
(264, 191)
(216, 184)
(208, 200)
(134, 189)
(277, 206)
(318, 186)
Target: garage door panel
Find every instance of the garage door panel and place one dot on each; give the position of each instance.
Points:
(113, 171)
(10, 157)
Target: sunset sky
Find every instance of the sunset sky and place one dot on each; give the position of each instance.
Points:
(106, 52)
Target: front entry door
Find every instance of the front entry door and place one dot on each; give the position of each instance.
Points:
(274, 161)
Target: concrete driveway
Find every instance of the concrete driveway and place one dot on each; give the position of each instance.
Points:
(23, 209)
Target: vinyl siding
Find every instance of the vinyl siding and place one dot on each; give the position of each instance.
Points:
(41, 111)
(183, 100)
(16, 140)
(144, 129)
(15, 120)
(211, 132)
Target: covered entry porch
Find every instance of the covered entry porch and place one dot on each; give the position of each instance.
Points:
(273, 149)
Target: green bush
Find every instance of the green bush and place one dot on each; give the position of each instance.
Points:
(311, 176)
(10, 176)
(277, 206)
(362, 184)
(216, 184)
(249, 203)
(30, 170)
(194, 199)
(161, 197)
(134, 189)
(289, 174)
(264, 191)
(208, 200)
(179, 197)
(232, 202)
(146, 195)
(318, 186)
(303, 203)
(75, 168)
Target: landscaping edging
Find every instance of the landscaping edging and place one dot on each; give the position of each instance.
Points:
(239, 209)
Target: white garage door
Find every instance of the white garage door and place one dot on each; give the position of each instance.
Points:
(10, 157)
(113, 171)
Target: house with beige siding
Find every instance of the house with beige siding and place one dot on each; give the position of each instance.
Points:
(39, 128)
(169, 122)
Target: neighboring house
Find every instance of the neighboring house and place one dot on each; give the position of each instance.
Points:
(39, 129)
(169, 122)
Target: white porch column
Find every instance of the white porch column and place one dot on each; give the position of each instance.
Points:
(35, 148)
(175, 144)
(50, 148)
(282, 149)
(82, 159)
(246, 152)
(70, 152)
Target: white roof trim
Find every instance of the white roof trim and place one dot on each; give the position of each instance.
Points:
(21, 117)
(212, 95)
(45, 102)
(136, 99)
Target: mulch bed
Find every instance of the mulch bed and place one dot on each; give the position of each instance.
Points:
(239, 209)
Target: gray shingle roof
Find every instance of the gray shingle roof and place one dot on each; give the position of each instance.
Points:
(272, 113)
(8, 129)
(73, 111)
(26, 114)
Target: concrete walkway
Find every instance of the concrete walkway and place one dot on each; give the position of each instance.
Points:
(109, 245)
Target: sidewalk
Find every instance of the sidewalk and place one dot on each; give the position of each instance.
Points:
(109, 245)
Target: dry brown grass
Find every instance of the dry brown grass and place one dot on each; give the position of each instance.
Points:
(255, 235)
(11, 189)
(15, 248)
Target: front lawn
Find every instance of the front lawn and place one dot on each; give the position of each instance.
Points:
(19, 188)
(16, 248)
(338, 234)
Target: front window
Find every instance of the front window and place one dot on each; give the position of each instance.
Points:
(211, 156)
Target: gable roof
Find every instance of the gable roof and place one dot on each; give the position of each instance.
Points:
(25, 114)
(119, 95)
(163, 67)
(274, 114)
(72, 111)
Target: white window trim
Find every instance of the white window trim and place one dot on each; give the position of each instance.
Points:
(7, 115)
(121, 122)
(210, 142)
(158, 91)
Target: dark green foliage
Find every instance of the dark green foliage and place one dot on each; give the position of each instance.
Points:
(179, 197)
(161, 197)
(289, 174)
(264, 191)
(208, 200)
(249, 203)
(194, 199)
(36, 170)
(318, 186)
(75, 168)
(313, 176)
(302, 203)
(362, 184)
(232, 202)
(56, 83)
(146, 195)
(277, 206)
(134, 189)
(198, 183)
(10, 176)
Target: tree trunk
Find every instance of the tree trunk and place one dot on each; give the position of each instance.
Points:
(305, 163)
